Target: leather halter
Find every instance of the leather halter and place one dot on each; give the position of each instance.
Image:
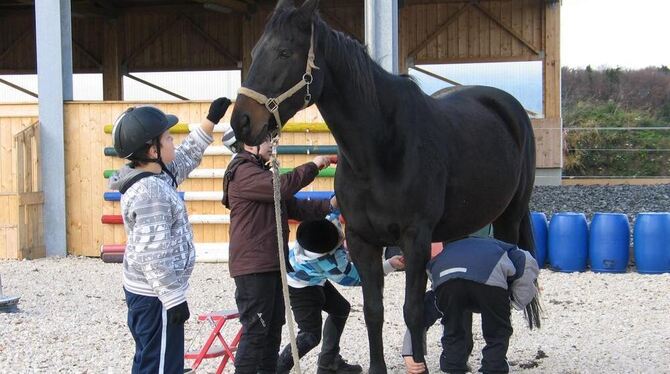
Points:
(272, 104)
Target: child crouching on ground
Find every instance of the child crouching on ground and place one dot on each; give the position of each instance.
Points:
(318, 258)
(476, 275)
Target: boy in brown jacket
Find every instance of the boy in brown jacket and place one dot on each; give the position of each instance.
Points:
(254, 262)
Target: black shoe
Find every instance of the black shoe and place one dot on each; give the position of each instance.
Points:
(339, 366)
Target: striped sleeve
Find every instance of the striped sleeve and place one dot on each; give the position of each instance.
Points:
(189, 154)
(150, 247)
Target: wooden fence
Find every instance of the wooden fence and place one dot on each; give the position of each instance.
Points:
(21, 222)
(86, 163)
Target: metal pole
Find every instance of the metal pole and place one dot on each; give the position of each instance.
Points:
(381, 32)
(54, 80)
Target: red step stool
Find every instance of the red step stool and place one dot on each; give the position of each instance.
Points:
(227, 350)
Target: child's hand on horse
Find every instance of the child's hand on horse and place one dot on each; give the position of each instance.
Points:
(414, 367)
(321, 161)
(398, 262)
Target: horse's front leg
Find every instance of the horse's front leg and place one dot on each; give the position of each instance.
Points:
(416, 249)
(368, 261)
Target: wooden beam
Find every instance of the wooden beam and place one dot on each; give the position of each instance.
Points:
(515, 34)
(233, 5)
(213, 42)
(551, 72)
(438, 30)
(436, 76)
(151, 39)
(15, 42)
(88, 54)
(19, 88)
(159, 88)
(112, 74)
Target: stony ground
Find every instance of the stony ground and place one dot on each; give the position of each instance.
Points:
(72, 319)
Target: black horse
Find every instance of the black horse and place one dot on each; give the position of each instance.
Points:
(412, 169)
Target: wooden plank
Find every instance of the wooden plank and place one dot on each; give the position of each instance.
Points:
(73, 163)
(421, 30)
(552, 63)
(9, 242)
(463, 33)
(30, 110)
(31, 198)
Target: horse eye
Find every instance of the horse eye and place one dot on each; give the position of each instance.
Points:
(284, 53)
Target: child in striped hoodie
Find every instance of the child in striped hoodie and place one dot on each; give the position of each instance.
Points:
(318, 258)
(159, 255)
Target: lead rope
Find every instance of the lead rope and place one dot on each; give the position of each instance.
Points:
(280, 247)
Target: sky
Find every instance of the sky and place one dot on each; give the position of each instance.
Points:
(626, 33)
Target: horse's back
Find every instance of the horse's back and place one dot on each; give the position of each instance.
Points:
(493, 100)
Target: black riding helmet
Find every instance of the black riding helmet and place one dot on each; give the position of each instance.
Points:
(138, 126)
(318, 236)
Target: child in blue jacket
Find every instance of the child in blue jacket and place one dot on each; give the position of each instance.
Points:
(481, 275)
(318, 258)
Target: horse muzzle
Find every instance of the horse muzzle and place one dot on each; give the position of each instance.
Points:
(251, 121)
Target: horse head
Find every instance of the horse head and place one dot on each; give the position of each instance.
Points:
(283, 77)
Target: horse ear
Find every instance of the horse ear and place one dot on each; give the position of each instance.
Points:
(309, 7)
(284, 4)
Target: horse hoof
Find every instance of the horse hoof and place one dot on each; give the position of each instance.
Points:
(377, 370)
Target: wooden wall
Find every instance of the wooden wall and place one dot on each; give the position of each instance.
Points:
(453, 32)
(85, 163)
(13, 119)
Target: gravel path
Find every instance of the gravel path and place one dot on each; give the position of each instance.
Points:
(72, 319)
(72, 310)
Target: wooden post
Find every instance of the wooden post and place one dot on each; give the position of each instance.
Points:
(112, 72)
(552, 61)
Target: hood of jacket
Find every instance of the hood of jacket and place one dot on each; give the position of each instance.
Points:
(124, 175)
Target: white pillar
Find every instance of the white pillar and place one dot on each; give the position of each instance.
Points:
(381, 32)
(54, 80)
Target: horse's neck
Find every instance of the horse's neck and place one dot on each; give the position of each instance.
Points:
(357, 124)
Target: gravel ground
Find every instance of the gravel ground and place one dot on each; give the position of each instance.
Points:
(71, 316)
(72, 319)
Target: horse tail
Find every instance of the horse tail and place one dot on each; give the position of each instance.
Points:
(533, 311)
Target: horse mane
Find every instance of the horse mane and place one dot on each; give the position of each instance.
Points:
(350, 56)
(344, 53)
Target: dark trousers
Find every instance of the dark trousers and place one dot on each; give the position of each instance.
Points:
(261, 306)
(159, 346)
(307, 304)
(458, 295)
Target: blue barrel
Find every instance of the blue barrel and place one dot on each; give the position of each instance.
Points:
(539, 222)
(609, 242)
(568, 242)
(652, 243)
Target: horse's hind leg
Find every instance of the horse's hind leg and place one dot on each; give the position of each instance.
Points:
(416, 250)
(368, 261)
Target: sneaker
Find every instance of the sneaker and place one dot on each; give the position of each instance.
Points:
(339, 366)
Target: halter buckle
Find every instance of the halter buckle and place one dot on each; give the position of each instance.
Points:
(307, 77)
(272, 105)
(308, 98)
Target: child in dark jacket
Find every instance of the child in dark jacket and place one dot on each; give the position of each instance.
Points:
(318, 258)
(254, 261)
(481, 275)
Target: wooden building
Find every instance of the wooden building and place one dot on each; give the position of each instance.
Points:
(121, 37)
